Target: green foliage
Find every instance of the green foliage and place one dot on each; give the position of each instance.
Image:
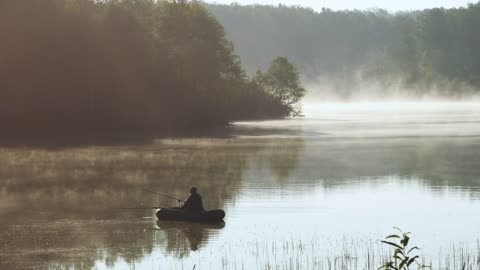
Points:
(318, 42)
(144, 67)
(282, 82)
(403, 257)
(418, 48)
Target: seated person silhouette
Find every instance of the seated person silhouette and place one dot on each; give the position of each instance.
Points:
(194, 202)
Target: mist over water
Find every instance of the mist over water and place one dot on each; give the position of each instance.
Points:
(356, 87)
(298, 192)
(381, 119)
(399, 118)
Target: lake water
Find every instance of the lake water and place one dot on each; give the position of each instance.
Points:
(312, 193)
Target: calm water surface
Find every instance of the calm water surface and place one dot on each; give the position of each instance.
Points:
(299, 193)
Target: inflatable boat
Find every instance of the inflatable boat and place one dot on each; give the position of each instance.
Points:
(216, 215)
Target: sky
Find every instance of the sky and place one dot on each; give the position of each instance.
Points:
(391, 5)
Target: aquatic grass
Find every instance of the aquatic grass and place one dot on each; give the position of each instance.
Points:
(314, 253)
(337, 254)
(460, 256)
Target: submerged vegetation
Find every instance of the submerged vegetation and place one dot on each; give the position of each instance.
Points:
(135, 67)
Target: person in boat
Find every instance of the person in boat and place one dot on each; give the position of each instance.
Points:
(194, 202)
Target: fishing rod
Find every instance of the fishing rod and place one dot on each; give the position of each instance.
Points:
(160, 194)
(142, 208)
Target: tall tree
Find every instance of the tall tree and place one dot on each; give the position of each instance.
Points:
(282, 82)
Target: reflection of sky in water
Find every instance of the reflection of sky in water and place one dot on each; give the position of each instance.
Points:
(297, 192)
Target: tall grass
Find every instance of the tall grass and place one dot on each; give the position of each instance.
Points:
(343, 254)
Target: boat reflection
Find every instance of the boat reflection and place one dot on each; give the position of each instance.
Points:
(187, 236)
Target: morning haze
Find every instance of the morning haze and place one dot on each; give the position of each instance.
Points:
(390, 5)
(142, 134)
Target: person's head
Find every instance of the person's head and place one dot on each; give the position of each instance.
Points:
(193, 190)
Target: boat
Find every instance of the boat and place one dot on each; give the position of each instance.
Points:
(184, 225)
(215, 215)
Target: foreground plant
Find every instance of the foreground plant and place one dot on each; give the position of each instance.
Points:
(403, 256)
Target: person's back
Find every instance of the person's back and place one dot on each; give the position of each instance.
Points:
(194, 202)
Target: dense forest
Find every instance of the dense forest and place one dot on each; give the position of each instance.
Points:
(419, 52)
(130, 67)
(145, 67)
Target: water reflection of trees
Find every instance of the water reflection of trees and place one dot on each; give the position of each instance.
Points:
(73, 244)
(332, 162)
(277, 161)
(438, 162)
(73, 196)
(98, 179)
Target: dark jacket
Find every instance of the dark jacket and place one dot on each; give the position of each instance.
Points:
(193, 203)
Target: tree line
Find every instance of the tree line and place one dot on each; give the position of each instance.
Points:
(138, 67)
(418, 49)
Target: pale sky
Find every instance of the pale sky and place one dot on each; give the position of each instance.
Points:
(391, 5)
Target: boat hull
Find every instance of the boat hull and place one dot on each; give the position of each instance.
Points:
(216, 215)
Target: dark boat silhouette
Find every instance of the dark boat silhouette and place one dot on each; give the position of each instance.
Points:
(216, 215)
(191, 226)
